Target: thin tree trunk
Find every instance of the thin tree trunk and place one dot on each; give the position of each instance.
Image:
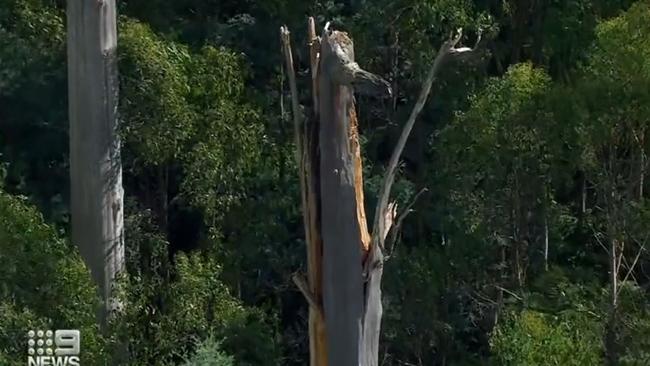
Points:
(610, 333)
(642, 163)
(583, 191)
(504, 282)
(95, 166)
(612, 210)
(547, 204)
(546, 241)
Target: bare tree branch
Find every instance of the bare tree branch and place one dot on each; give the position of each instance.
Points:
(389, 219)
(636, 259)
(597, 237)
(314, 55)
(619, 259)
(295, 109)
(447, 49)
(508, 292)
(302, 285)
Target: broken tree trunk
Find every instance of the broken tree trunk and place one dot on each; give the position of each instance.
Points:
(95, 167)
(342, 281)
(345, 263)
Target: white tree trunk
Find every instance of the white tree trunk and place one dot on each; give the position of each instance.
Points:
(95, 166)
(546, 241)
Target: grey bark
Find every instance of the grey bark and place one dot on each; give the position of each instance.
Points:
(342, 281)
(373, 310)
(95, 167)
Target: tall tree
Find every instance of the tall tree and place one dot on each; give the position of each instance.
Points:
(95, 166)
(615, 128)
(345, 260)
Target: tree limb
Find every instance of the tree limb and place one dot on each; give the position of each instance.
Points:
(314, 56)
(447, 49)
(345, 71)
(302, 285)
(295, 109)
(631, 268)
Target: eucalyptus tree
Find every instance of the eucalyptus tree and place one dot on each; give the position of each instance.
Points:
(614, 98)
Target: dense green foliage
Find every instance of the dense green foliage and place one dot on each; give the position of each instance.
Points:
(534, 155)
(44, 284)
(208, 354)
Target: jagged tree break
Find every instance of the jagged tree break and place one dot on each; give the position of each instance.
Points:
(345, 260)
(95, 166)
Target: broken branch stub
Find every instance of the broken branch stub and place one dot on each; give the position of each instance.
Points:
(342, 68)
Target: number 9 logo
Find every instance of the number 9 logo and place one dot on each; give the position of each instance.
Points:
(67, 342)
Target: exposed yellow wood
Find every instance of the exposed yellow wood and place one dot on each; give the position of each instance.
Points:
(355, 149)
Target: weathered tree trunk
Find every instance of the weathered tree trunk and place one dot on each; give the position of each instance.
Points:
(95, 167)
(342, 245)
(306, 132)
(345, 263)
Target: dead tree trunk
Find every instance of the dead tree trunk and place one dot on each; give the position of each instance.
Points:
(345, 263)
(95, 167)
(342, 280)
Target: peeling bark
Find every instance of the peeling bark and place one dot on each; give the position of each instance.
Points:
(355, 148)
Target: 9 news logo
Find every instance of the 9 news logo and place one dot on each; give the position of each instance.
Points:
(58, 348)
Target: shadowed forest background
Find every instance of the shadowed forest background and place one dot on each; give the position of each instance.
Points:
(534, 160)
